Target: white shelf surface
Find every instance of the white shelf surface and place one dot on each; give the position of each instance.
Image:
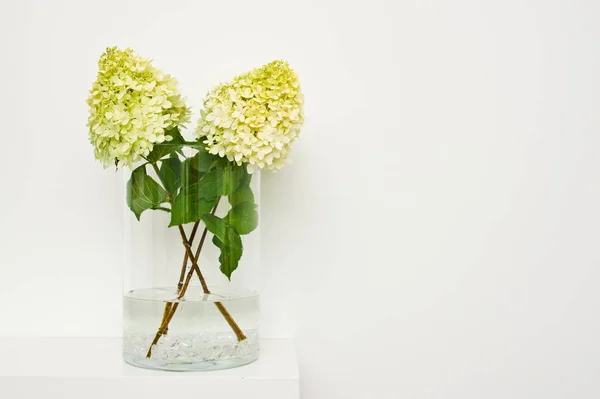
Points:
(92, 368)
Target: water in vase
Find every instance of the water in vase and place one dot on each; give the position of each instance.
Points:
(191, 333)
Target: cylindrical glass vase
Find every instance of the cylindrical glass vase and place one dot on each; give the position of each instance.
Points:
(192, 249)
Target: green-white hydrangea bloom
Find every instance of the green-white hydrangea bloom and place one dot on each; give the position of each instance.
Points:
(131, 105)
(254, 118)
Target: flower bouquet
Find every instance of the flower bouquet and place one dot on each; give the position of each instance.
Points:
(205, 184)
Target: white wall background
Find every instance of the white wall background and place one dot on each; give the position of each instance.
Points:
(437, 235)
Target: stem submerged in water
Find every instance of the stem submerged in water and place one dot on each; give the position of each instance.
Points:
(182, 286)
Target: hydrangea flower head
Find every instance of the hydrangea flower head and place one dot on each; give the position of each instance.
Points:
(254, 118)
(132, 104)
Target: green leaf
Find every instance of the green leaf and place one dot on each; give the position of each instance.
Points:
(199, 190)
(170, 174)
(231, 251)
(227, 239)
(189, 175)
(215, 225)
(198, 144)
(247, 177)
(221, 180)
(196, 198)
(243, 217)
(202, 161)
(189, 207)
(165, 148)
(143, 192)
(243, 193)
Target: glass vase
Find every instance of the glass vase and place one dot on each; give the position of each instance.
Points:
(190, 300)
